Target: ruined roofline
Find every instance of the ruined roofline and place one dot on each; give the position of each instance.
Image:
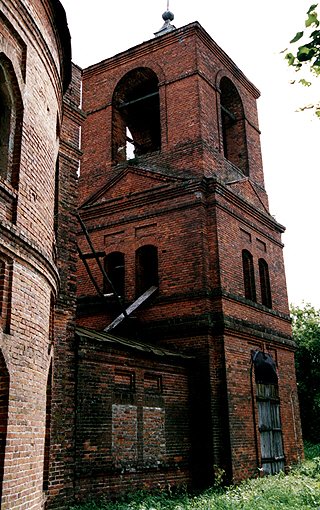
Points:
(190, 30)
(129, 343)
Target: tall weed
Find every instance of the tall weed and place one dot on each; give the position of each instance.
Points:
(299, 490)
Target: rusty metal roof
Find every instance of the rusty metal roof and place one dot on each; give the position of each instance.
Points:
(101, 336)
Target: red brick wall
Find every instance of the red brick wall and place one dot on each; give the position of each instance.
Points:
(32, 47)
(201, 212)
(62, 453)
(133, 427)
(189, 74)
(242, 407)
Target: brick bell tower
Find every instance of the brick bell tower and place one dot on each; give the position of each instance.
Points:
(172, 196)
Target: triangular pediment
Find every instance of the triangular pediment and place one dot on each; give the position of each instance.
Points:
(255, 196)
(129, 182)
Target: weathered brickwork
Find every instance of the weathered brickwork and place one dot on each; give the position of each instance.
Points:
(132, 416)
(35, 69)
(171, 192)
(60, 491)
(194, 200)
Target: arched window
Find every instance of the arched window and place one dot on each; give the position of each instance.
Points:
(233, 126)
(248, 276)
(10, 122)
(115, 269)
(265, 283)
(146, 268)
(268, 402)
(136, 115)
(4, 405)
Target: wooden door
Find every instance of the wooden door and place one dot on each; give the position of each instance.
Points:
(272, 457)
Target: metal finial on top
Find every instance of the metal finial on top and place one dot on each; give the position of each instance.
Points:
(167, 17)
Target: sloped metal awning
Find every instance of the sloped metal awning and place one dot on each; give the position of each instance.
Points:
(107, 338)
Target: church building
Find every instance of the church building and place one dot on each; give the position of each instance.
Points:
(145, 336)
(185, 363)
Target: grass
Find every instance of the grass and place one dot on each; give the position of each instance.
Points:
(298, 490)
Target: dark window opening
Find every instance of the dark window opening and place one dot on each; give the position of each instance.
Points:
(233, 126)
(146, 268)
(271, 444)
(136, 115)
(115, 269)
(6, 268)
(5, 123)
(248, 276)
(265, 283)
(4, 406)
(46, 461)
(10, 122)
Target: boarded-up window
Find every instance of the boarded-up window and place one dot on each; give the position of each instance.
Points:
(124, 434)
(268, 402)
(154, 439)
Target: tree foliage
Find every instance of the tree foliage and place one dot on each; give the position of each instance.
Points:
(306, 333)
(305, 50)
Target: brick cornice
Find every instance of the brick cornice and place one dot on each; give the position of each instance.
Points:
(145, 48)
(215, 324)
(36, 35)
(211, 188)
(16, 245)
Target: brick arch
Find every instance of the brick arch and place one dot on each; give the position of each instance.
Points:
(145, 63)
(4, 407)
(10, 121)
(136, 115)
(233, 124)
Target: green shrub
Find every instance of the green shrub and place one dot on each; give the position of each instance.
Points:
(311, 450)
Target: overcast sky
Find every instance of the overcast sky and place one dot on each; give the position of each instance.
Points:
(253, 34)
